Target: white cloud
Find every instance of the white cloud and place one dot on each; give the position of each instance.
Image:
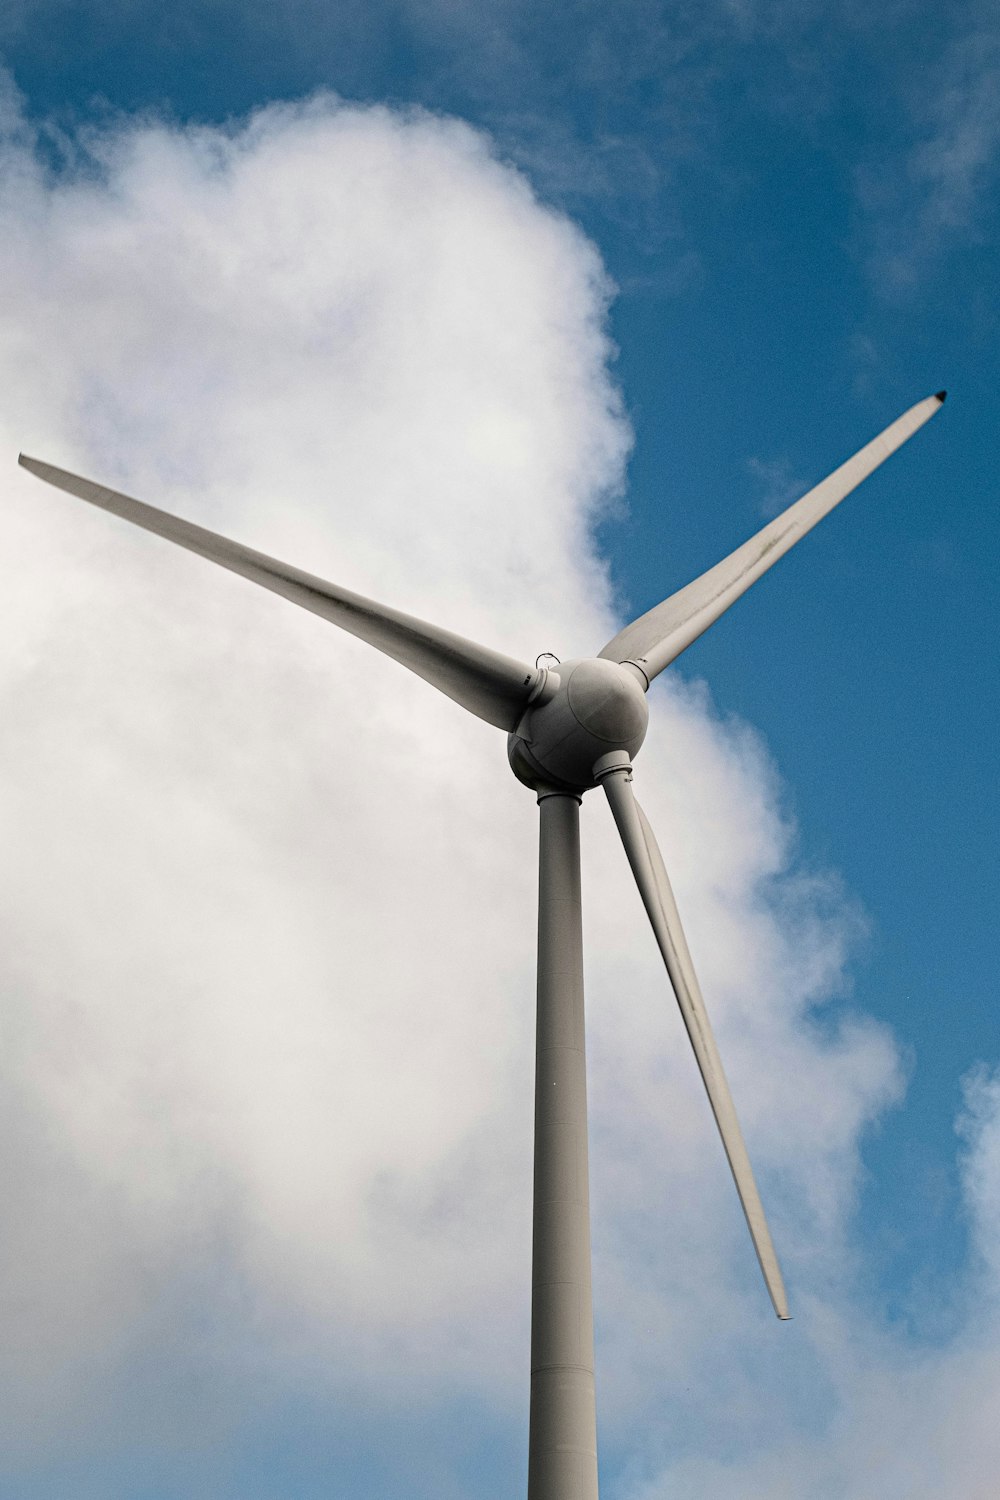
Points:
(939, 189)
(904, 1421)
(779, 481)
(255, 876)
(268, 902)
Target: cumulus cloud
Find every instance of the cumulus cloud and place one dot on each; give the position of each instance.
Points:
(358, 341)
(904, 1421)
(268, 903)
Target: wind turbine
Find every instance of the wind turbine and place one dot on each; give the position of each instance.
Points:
(569, 730)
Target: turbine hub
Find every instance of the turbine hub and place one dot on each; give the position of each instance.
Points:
(585, 709)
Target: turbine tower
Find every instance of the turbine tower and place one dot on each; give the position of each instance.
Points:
(569, 729)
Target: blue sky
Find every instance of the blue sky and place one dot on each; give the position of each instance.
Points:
(796, 209)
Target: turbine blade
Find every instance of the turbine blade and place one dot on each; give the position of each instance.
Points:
(491, 686)
(654, 887)
(658, 637)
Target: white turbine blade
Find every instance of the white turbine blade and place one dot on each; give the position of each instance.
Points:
(490, 685)
(656, 638)
(654, 887)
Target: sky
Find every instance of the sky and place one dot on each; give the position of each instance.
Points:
(517, 319)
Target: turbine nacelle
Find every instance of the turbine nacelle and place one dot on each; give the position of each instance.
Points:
(583, 710)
